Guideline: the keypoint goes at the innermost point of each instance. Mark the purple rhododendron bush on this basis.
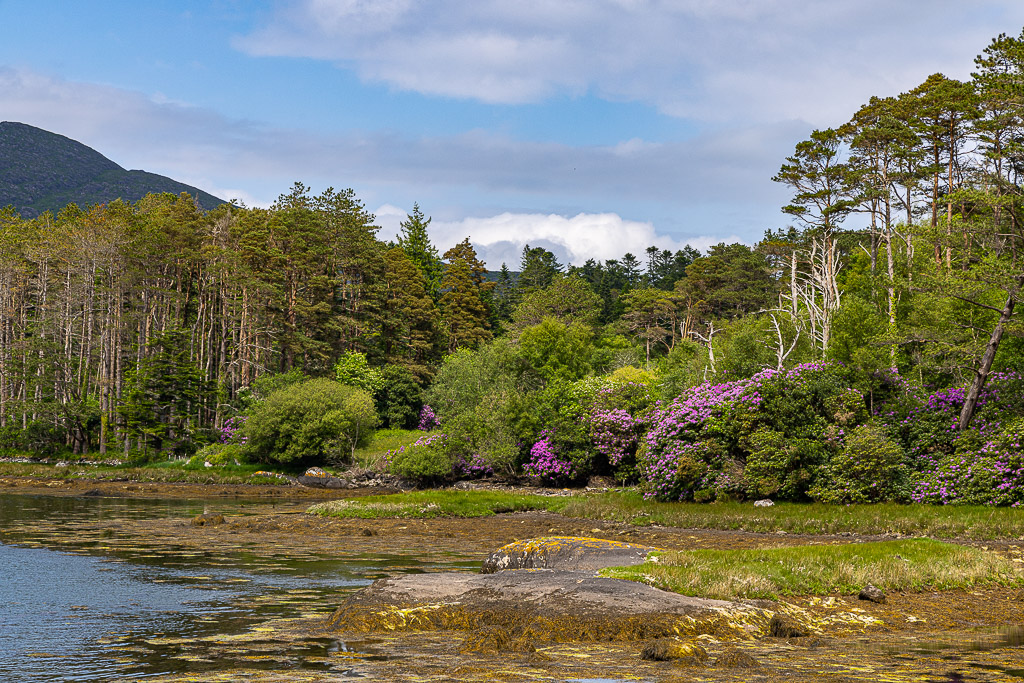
(801, 434)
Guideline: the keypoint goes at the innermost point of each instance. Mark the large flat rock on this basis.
(565, 552)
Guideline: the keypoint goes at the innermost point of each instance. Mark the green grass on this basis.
(976, 522)
(382, 441)
(979, 523)
(426, 504)
(910, 565)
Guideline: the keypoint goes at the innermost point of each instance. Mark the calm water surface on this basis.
(82, 606)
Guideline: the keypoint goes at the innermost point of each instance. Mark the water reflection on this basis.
(80, 602)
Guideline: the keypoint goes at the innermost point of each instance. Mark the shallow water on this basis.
(126, 589)
(78, 602)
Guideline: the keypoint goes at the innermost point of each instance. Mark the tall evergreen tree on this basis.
(414, 240)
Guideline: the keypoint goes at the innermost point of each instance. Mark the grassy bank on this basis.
(910, 565)
(427, 504)
(980, 523)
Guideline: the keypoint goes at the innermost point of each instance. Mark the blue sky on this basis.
(592, 127)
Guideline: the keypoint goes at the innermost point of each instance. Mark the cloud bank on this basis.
(713, 60)
(573, 239)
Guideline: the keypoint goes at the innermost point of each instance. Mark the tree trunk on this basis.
(981, 374)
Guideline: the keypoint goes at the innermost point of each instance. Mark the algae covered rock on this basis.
(208, 519)
(495, 640)
(784, 626)
(872, 593)
(565, 552)
(542, 604)
(733, 658)
(670, 649)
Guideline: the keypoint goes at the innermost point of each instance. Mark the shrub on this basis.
(547, 467)
(353, 370)
(486, 434)
(426, 460)
(317, 421)
(993, 475)
(217, 454)
(870, 468)
(776, 424)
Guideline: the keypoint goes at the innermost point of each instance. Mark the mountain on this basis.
(42, 171)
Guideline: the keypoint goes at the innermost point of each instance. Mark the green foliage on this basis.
(869, 468)
(353, 370)
(426, 461)
(414, 240)
(567, 299)
(316, 421)
(557, 351)
(399, 398)
(218, 454)
(163, 395)
(265, 385)
(465, 316)
(538, 268)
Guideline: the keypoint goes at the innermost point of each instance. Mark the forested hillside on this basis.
(870, 351)
(41, 171)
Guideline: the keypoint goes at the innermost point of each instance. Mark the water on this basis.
(79, 603)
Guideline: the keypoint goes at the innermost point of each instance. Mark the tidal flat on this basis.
(121, 585)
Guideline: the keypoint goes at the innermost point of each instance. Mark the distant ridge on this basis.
(41, 171)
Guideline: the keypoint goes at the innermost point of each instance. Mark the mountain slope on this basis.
(42, 171)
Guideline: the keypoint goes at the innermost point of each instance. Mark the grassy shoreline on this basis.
(950, 522)
(909, 565)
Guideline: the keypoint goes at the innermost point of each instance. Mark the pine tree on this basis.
(415, 242)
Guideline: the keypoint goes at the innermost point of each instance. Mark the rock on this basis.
(495, 640)
(543, 604)
(315, 472)
(872, 593)
(208, 519)
(669, 649)
(783, 626)
(763, 503)
(565, 552)
(736, 659)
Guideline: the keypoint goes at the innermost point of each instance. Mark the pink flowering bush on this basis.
(978, 466)
(617, 420)
(546, 466)
(231, 431)
(428, 420)
(770, 434)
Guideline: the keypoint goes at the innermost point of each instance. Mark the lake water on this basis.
(86, 606)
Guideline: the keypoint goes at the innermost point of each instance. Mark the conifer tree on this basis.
(415, 242)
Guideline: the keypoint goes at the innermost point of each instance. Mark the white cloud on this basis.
(714, 60)
(572, 239)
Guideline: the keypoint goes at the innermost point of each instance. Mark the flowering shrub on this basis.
(229, 433)
(978, 466)
(428, 420)
(781, 426)
(545, 465)
(617, 421)
(472, 467)
(425, 460)
(994, 475)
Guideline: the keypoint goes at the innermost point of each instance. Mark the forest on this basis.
(867, 352)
